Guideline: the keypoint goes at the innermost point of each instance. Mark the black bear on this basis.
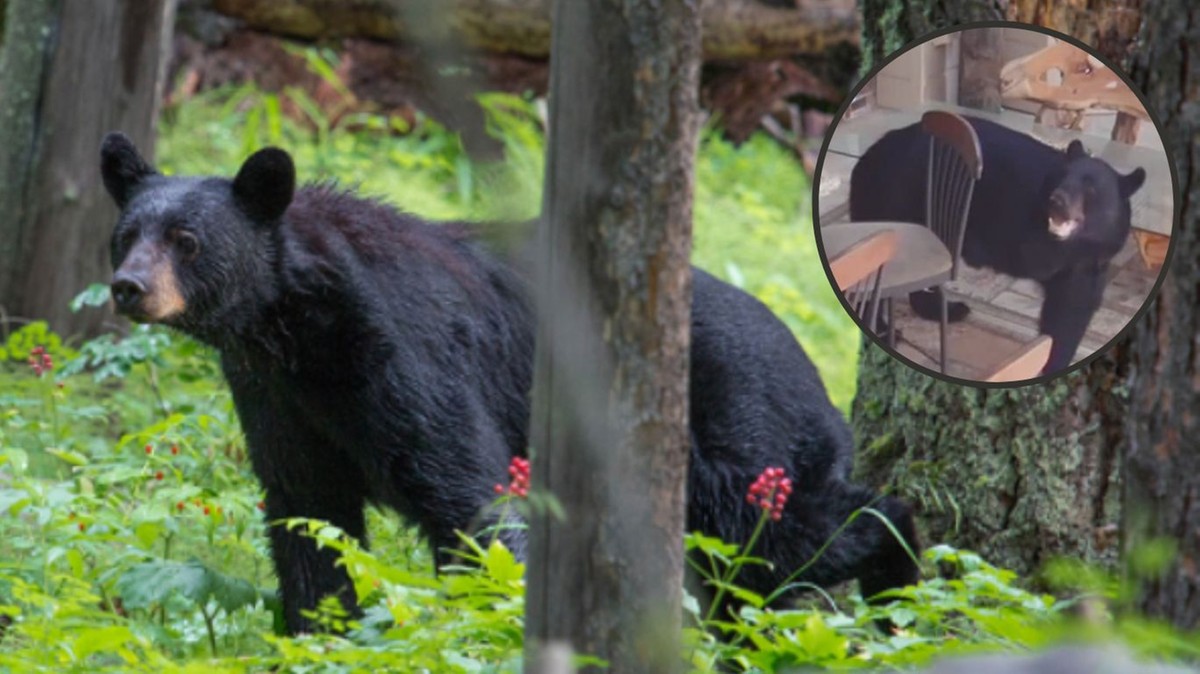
(376, 357)
(1057, 217)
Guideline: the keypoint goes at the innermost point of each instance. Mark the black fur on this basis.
(375, 357)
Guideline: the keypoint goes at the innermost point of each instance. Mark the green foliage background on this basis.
(130, 526)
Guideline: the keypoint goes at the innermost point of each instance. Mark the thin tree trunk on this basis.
(1162, 462)
(609, 431)
(103, 71)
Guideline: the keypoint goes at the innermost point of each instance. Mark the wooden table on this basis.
(921, 259)
(833, 188)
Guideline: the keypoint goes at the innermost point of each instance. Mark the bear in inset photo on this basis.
(1055, 216)
(375, 357)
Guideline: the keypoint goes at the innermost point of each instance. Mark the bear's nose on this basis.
(127, 292)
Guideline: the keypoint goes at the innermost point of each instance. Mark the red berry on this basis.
(262, 506)
(179, 506)
(207, 510)
(82, 526)
(174, 449)
(149, 449)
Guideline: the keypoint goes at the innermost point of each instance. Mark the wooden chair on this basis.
(955, 165)
(857, 272)
(1027, 363)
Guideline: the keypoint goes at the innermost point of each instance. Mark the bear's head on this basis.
(189, 251)
(1090, 202)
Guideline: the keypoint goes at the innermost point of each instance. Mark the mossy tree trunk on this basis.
(1162, 425)
(609, 431)
(1109, 453)
(72, 70)
(1019, 475)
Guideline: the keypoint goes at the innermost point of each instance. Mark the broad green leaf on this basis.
(101, 640)
(152, 582)
(501, 565)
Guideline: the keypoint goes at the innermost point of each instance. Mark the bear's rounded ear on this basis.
(1132, 182)
(121, 167)
(265, 184)
(1075, 150)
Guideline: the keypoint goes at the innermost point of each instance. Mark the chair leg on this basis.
(942, 326)
(891, 327)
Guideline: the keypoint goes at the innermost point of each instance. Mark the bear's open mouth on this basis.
(1063, 228)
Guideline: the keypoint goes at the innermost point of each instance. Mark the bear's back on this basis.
(756, 398)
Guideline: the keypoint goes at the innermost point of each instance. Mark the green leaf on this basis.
(147, 533)
(501, 565)
(101, 640)
(820, 641)
(73, 458)
(152, 583)
(710, 545)
(95, 295)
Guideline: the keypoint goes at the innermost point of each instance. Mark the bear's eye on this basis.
(128, 238)
(187, 243)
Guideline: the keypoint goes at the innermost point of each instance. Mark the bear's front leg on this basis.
(1072, 298)
(308, 573)
(304, 477)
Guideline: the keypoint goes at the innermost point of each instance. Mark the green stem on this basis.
(154, 386)
(212, 630)
(736, 566)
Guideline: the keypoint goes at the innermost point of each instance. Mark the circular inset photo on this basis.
(995, 204)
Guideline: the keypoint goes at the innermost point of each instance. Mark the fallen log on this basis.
(733, 29)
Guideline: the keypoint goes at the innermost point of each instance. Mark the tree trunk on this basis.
(22, 61)
(888, 25)
(979, 70)
(609, 434)
(1020, 475)
(102, 72)
(733, 29)
(1162, 457)
(1032, 472)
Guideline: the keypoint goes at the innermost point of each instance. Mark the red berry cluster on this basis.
(40, 361)
(207, 508)
(770, 491)
(518, 470)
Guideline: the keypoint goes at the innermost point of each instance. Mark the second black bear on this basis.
(1057, 217)
(378, 358)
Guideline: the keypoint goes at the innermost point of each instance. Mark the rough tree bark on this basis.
(1020, 475)
(1108, 453)
(22, 63)
(1162, 455)
(609, 435)
(733, 29)
(75, 69)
